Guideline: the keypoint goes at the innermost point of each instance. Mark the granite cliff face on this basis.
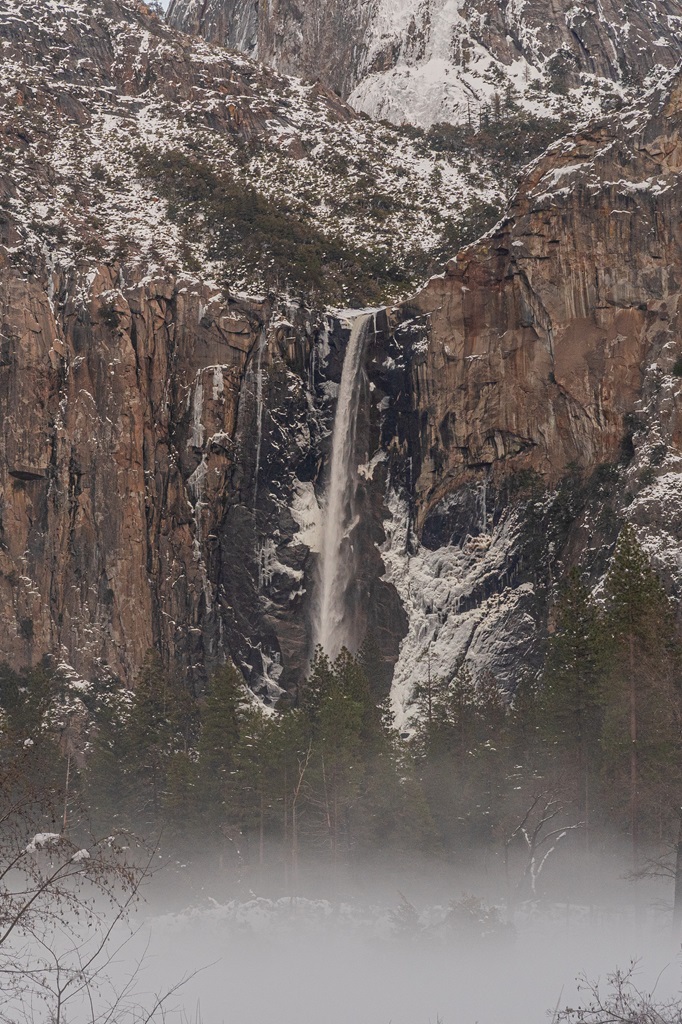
(542, 382)
(121, 418)
(425, 61)
(168, 381)
(161, 453)
(324, 40)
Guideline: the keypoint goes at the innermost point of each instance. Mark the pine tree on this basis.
(345, 733)
(319, 681)
(109, 782)
(338, 766)
(396, 811)
(290, 750)
(180, 807)
(642, 714)
(571, 698)
(221, 714)
(255, 783)
(462, 740)
(159, 726)
(30, 758)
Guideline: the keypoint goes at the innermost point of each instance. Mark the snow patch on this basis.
(307, 513)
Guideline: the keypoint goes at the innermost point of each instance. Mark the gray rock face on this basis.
(424, 61)
(234, 23)
(322, 39)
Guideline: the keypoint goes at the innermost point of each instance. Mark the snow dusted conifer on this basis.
(641, 667)
(571, 698)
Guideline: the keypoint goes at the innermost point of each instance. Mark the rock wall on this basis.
(544, 329)
(165, 446)
(121, 410)
(163, 458)
(165, 441)
(425, 61)
(540, 400)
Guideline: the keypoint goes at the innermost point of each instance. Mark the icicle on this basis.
(484, 503)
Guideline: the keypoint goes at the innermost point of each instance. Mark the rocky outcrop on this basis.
(324, 40)
(425, 61)
(542, 366)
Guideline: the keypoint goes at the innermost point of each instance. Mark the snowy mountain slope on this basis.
(111, 119)
(429, 61)
(450, 59)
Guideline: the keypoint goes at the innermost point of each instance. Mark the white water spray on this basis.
(336, 564)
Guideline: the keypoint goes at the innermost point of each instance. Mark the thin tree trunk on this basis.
(327, 813)
(587, 811)
(286, 826)
(634, 823)
(261, 830)
(584, 784)
(335, 825)
(294, 844)
(302, 768)
(66, 794)
(634, 795)
(677, 903)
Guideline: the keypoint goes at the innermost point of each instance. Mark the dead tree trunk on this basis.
(677, 900)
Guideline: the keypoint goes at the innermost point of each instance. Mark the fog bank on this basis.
(269, 959)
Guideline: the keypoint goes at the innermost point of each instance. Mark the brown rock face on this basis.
(110, 459)
(538, 336)
(544, 354)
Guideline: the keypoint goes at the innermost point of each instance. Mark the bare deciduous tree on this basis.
(64, 901)
(622, 1003)
(538, 838)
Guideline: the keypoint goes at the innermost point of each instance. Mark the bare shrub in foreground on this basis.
(622, 1003)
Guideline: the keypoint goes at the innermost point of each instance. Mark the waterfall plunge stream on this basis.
(337, 564)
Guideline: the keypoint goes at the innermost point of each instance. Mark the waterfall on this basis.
(336, 564)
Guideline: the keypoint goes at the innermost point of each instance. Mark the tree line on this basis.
(587, 752)
(591, 746)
